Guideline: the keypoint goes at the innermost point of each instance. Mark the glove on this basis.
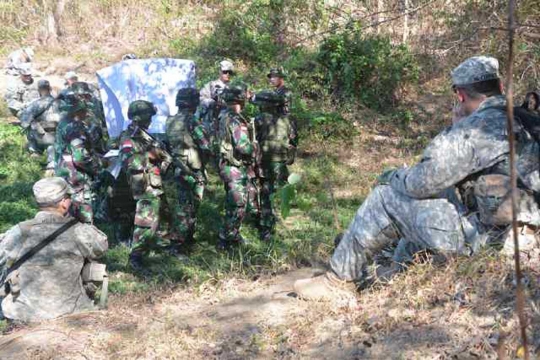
(386, 176)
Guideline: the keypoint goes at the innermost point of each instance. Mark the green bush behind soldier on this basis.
(278, 139)
(143, 164)
(75, 156)
(238, 167)
(189, 145)
(50, 283)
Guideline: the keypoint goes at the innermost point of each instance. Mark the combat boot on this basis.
(326, 287)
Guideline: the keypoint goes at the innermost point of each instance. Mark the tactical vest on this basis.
(181, 143)
(273, 135)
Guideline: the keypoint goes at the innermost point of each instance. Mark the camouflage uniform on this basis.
(441, 203)
(18, 59)
(143, 169)
(187, 140)
(277, 136)
(41, 118)
(49, 284)
(76, 162)
(19, 94)
(239, 159)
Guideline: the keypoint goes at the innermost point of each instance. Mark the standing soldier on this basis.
(21, 91)
(210, 105)
(40, 118)
(277, 136)
(189, 145)
(143, 161)
(76, 162)
(238, 164)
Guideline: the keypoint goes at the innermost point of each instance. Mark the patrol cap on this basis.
(276, 72)
(71, 75)
(476, 69)
(50, 190)
(25, 69)
(226, 65)
(43, 84)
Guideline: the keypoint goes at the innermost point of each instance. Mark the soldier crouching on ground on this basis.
(49, 284)
(21, 90)
(143, 163)
(40, 118)
(189, 145)
(448, 201)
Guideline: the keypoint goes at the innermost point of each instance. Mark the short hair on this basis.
(487, 88)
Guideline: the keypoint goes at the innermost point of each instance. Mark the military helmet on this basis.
(140, 112)
(43, 84)
(234, 94)
(187, 97)
(71, 103)
(81, 88)
(276, 72)
(266, 99)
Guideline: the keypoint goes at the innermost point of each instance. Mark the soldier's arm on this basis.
(200, 135)
(206, 95)
(10, 245)
(84, 159)
(12, 98)
(240, 139)
(91, 242)
(452, 156)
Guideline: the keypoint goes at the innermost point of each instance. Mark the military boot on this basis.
(326, 287)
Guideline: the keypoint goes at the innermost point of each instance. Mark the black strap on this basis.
(43, 111)
(41, 245)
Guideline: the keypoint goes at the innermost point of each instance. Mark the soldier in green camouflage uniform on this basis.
(238, 166)
(278, 139)
(142, 162)
(189, 145)
(76, 162)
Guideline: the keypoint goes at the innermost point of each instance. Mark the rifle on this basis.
(156, 146)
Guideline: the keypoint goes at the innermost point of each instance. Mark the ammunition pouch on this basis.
(92, 275)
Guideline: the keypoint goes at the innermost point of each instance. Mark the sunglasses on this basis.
(229, 72)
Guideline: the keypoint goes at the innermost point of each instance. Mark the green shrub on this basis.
(367, 68)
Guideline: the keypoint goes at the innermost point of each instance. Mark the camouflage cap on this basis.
(25, 69)
(226, 65)
(81, 88)
(476, 69)
(276, 72)
(43, 84)
(70, 75)
(140, 110)
(50, 190)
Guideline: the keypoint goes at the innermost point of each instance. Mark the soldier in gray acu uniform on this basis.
(21, 90)
(452, 200)
(49, 284)
(41, 118)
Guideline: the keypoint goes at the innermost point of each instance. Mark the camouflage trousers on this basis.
(386, 216)
(190, 195)
(275, 175)
(82, 206)
(146, 221)
(241, 198)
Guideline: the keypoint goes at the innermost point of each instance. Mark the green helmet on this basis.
(234, 94)
(187, 98)
(81, 88)
(71, 103)
(277, 72)
(140, 112)
(267, 99)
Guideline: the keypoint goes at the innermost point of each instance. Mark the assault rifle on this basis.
(156, 146)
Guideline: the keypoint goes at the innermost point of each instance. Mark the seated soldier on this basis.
(452, 200)
(21, 90)
(49, 284)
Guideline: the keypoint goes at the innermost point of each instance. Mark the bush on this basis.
(367, 68)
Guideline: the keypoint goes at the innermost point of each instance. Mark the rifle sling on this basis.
(41, 245)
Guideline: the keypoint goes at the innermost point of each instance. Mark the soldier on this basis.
(277, 137)
(189, 145)
(143, 161)
(21, 91)
(210, 105)
(18, 59)
(452, 198)
(40, 118)
(76, 161)
(49, 284)
(238, 166)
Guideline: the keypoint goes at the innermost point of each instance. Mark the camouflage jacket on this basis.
(286, 95)
(50, 282)
(137, 157)
(238, 145)
(41, 114)
(187, 138)
(210, 91)
(468, 150)
(76, 162)
(19, 95)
